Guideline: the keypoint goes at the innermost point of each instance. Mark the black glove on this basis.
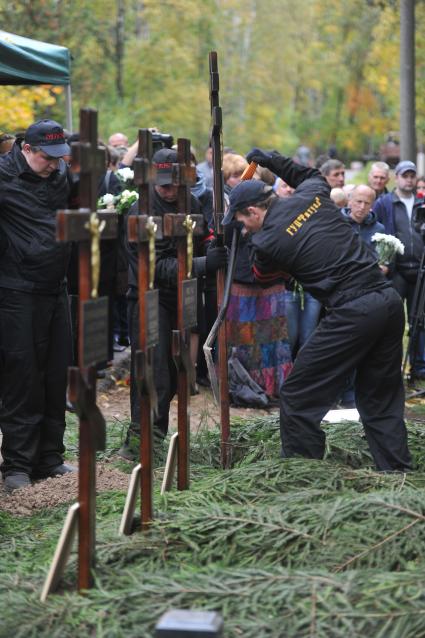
(263, 158)
(216, 258)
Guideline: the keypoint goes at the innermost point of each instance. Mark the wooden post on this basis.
(87, 228)
(216, 139)
(143, 229)
(183, 226)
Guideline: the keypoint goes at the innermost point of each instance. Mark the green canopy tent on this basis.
(26, 61)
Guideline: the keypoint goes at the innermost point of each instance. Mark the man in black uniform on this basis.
(34, 314)
(165, 373)
(306, 236)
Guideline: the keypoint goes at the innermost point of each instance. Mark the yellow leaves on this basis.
(19, 104)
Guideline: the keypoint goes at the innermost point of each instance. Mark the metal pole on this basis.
(407, 81)
(68, 108)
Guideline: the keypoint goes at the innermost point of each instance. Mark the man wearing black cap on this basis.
(34, 325)
(306, 236)
(165, 201)
(397, 212)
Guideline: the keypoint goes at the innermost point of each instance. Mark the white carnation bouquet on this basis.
(126, 176)
(387, 247)
(121, 203)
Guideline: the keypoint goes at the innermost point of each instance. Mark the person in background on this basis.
(256, 316)
(6, 142)
(363, 223)
(397, 212)
(420, 187)
(118, 139)
(165, 372)
(378, 178)
(339, 196)
(206, 168)
(334, 172)
(282, 189)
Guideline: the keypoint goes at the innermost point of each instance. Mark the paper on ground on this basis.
(335, 416)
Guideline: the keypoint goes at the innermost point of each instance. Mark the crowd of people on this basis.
(315, 317)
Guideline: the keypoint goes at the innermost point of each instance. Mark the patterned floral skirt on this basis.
(257, 331)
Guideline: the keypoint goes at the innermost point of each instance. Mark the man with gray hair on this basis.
(334, 172)
(378, 177)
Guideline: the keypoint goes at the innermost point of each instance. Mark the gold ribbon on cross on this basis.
(95, 227)
(151, 229)
(189, 225)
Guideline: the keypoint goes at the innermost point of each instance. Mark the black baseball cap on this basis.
(164, 159)
(246, 193)
(49, 136)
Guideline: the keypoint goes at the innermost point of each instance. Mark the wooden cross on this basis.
(216, 144)
(87, 228)
(143, 229)
(183, 227)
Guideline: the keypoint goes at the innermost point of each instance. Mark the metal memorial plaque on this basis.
(189, 296)
(95, 331)
(152, 317)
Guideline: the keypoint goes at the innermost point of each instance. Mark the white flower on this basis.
(387, 246)
(126, 174)
(126, 195)
(108, 199)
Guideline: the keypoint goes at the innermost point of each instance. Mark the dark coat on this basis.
(166, 256)
(391, 212)
(31, 259)
(367, 228)
(306, 236)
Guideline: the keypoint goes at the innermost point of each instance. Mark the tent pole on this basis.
(68, 107)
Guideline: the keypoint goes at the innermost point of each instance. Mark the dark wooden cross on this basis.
(183, 226)
(216, 144)
(87, 228)
(143, 229)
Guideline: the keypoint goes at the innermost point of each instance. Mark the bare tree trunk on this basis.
(119, 47)
(407, 81)
(141, 29)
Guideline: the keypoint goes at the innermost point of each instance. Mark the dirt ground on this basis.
(113, 399)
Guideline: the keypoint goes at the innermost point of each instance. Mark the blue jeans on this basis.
(302, 315)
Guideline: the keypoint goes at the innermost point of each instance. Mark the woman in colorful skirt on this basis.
(257, 332)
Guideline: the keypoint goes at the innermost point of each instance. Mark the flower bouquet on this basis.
(126, 176)
(121, 203)
(387, 246)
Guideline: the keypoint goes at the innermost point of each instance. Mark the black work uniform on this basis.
(34, 317)
(165, 372)
(306, 236)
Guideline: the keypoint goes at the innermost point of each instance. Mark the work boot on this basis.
(59, 470)
(16, 481)
(127, 453)
(62, 469)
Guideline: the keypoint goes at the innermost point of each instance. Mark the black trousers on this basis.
(364, 334)
(165, 371)
(35, 350)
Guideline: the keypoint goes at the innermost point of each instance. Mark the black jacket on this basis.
(31, 259)
(306, 236)
(166, 256)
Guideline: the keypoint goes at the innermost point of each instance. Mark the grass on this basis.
(280, 548)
